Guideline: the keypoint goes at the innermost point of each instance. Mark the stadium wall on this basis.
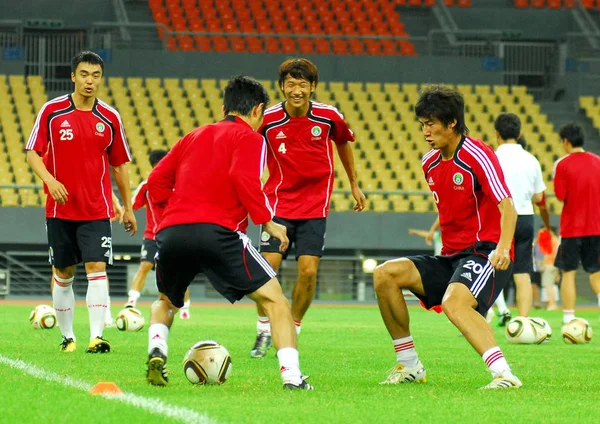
(73, 13)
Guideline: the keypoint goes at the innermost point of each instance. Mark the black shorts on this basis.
(73, 242)
(233, 266)
(470, 267)
(524, 245)
(573, 250)
(536, 278)
(148, 252)
(307, 236)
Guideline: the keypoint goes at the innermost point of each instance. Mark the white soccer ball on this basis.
(43, 317)
(520, 330)
(207, 362)
(130, 319)
(542, 327)
(577, 331)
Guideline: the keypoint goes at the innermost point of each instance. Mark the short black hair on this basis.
(242, 94)
(573, 133)
(155, 156)
(86, 57)
(299, 68)
(508, 126)
(444, 104)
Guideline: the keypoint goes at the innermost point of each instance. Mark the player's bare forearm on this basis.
(121, 176)
(37, 164)
(347, 158)
(435, 225)
(545, 215)
(508, 222)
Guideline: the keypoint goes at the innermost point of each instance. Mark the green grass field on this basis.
(345, 350)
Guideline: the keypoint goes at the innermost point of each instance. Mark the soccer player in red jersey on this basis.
(577, 184)
(477, 222)
(299, 134)
(206, 205)
(84, 139)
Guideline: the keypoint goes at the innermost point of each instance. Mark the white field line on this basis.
(152, 405)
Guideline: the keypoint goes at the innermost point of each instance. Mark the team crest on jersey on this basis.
(458, 178)
(100, 127)
(316, 131)
(265, 236)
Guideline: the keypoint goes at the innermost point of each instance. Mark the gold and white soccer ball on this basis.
(207, 362)
(43, 317)
(577, 331)
(521, 330)
(130, 319)
(542, 327)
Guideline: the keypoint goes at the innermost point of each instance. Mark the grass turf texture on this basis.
(347, 351)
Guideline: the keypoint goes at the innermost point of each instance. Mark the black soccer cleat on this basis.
(157, 373)
(302, 386)
(503, 319)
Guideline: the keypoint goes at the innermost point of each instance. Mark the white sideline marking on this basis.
(155, 406)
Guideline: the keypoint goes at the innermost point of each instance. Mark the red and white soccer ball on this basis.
(130, 319)
(577, 331)
(43, 317)
(207, 362)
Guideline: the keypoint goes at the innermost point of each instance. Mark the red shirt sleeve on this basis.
(341, 132)
(560, 185)
(489, 173)
(247, 163)
(139, 196)
(39, 138)
(161, 181)
(118, 152)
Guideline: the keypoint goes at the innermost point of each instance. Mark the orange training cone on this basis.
(106, 388)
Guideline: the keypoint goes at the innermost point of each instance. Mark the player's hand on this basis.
(279, 232)
(360, 198)
(429, 238)
(130, 222)
(119, 212)
(58, 191)
(500, 259)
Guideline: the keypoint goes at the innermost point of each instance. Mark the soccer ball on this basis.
(542, 327)
(43, 317)
(522, 330)
(577, 331)
(207, 362)
(130, 319)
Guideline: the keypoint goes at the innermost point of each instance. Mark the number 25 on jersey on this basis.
(282, 148)
(66, 134)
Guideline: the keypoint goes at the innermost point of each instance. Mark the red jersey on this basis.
(212, 175)
(78, 147)
(467, 190)
(300, 159)
(141, 199)
(577, 184)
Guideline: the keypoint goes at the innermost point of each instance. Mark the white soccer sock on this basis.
(97, 302)
(108, 316)
(501, 304)
(568, 315)
(263, 325)
(186, 305)
(406, 353)
(289, 365)
(494, 359)
(134, 295)
(64, 305)
(298, 325)
(157, 337)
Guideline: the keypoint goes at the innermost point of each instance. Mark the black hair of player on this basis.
(573, 133)
(508, 126)
(443, 104)
(522, 142)
(242, 94)
(86, 57)
(299, 68)
(155, 156)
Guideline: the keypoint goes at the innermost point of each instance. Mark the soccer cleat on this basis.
(157, 374)
(130, 303)
(261, 346)
(500, 382)
(302, 386)
(184, 314)
(503, 319)
(98, 345)
(68, 345)
(402, 374)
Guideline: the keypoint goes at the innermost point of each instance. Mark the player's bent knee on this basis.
(67, 272)
(308, 272)
(390, 274)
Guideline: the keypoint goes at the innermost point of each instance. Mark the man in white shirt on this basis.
(523, 175)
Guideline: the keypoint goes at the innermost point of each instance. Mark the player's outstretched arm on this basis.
(508, 221)
(56, 189)
(347, 158)
(540, 201)
(121, 176)
(427, 235)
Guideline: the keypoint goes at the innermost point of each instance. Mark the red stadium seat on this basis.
(449, 2)
(554, 4)
(237, 44)
(414, 2)
(246, 26)
(202, 43)
(288, 45)
(306, 45)
(430, 2)
(464, 3)
(220, 44)
(539, 4)
(356, 46)
(322, 46)
(264, 27)
(340, 46)
(522, 3)
(373, 46)
(254, 44)
(185, 43)
(272, 45)
(407, 48)
(588, 4)
(569, 3)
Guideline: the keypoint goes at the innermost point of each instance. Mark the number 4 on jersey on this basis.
(282, 148)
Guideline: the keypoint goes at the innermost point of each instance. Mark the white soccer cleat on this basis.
(500, 382)
(130, 303)
(402, 374)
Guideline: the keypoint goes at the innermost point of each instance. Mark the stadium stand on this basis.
(157, 112)
(555, 4)
(591, 106)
